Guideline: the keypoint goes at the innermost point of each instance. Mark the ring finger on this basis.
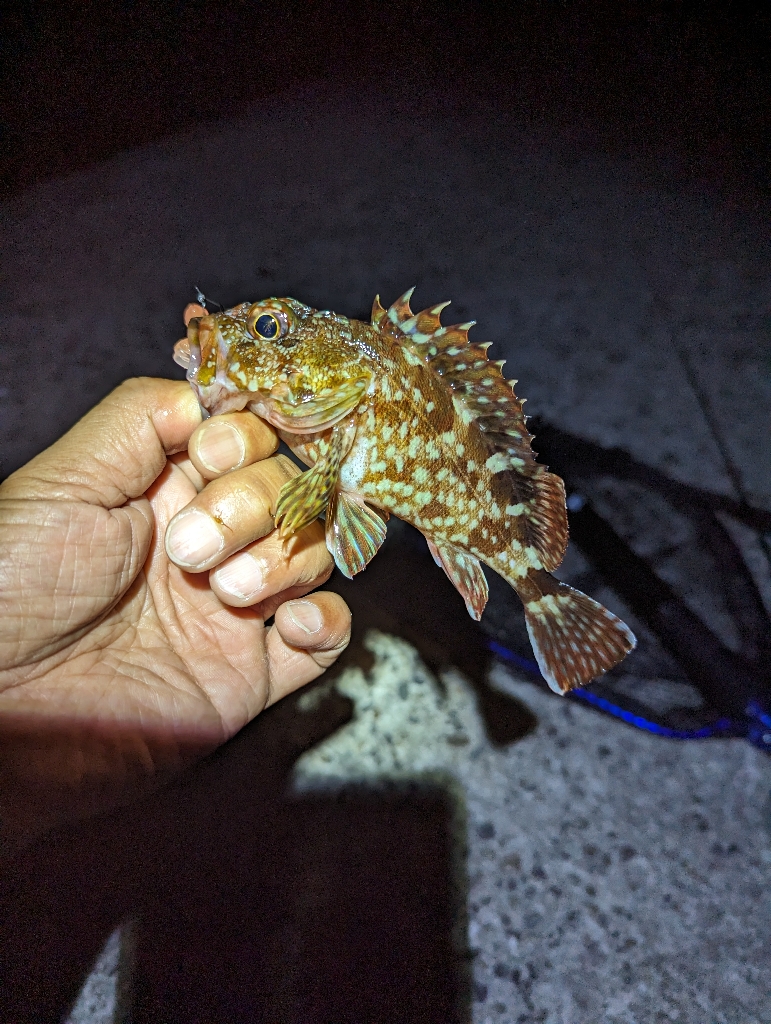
(271, 566)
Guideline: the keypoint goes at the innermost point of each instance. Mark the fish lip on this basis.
(217, 398)
(194, 346)
(220, 395)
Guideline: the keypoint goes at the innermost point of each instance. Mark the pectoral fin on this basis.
(306, 496)
(465, 574)
(318, 412)
(354, 534)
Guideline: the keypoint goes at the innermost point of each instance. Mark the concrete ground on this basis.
(376, 850)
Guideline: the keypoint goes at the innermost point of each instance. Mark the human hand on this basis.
(117, 667)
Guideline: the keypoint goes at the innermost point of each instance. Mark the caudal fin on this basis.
(574, 638)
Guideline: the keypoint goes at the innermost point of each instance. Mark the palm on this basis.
(168, 654)
(188, 661)
(116, 666)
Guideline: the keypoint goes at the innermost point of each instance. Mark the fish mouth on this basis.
(187, 351)
(194, 347)
(207, 362)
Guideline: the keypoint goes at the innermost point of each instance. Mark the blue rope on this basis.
(756, 727)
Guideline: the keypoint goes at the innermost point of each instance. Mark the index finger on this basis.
(230, 441)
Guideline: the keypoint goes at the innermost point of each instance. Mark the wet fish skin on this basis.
(405, 416)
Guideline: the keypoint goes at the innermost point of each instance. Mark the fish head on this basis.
(285, 361)
(234, 357)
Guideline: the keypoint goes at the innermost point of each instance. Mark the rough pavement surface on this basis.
(611, 876)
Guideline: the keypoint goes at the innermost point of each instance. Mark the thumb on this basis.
(117, 450)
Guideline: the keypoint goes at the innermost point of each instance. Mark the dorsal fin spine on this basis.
(377, 312)
(477, 381)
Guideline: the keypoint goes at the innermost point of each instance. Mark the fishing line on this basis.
(754, 727)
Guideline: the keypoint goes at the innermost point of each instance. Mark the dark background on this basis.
(232, 906)
(681, 84)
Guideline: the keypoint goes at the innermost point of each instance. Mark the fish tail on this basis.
(574, 638)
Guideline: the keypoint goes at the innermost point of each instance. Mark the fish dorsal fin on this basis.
(478, 382)
(377, 312)
(489, 399)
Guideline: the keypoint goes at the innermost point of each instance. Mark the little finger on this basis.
(307, 636)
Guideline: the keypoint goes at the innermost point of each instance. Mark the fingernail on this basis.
(305, 614)
(221, 447)
(242, 576)
(193, 538)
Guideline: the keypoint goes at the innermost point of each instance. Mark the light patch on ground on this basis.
(405, 724)
(621, 802)
(102, 996)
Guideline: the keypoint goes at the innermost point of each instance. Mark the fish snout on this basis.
(194, 346)
(187, 351)
(202, 350)
(204, 356)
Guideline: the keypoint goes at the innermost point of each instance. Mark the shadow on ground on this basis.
(248, 904)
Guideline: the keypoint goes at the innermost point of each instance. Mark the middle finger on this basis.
(228, 514)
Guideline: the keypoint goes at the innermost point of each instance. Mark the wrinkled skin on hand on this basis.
(117, 666)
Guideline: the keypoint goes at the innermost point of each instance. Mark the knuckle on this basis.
(246, 495)
(320, 574)
(287, 467)
(264, 486)
(259, 434)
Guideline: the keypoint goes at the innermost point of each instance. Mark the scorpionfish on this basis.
(405, 416)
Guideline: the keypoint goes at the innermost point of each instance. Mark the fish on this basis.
(405, 416)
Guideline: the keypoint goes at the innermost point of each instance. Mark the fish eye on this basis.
(265, 326)
(270, 321)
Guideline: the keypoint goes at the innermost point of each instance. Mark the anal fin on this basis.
(354, 533)
(465, 573)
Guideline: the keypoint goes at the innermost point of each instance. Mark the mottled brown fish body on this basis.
(415, 457)
(406, 416)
